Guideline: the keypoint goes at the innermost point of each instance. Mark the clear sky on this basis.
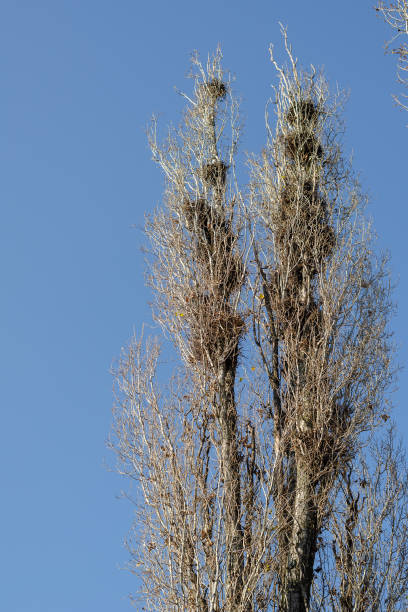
(79, 81)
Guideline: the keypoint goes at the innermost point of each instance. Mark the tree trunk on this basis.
(302, 548)
(232, 487)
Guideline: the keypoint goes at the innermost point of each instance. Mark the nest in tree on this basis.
(205, 221)
(215, 331)
(305, 247)
(286, 297)
(196, 213)
(214, 242)
(304, 201)
(302, 323)
(309, 189)
(302, 233)
(327, 241)
(301, 112)
(227, 274)
(215, 88)
(302, 146)
(304, 198)
(215, 173)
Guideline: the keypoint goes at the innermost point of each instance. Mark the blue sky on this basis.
(79, 81)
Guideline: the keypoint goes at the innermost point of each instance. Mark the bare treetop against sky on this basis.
(79, 83)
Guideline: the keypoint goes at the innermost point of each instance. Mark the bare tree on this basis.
(321, 329)
(396, 15)
(368, 525)
(246, 461)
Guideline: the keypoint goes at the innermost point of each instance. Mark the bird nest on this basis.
(215, 173)
(215, 331)
(214, 242)
(302, 112)
(301, 146)
(215, 88)
(197, 213)
(302, 232)
(302, 321)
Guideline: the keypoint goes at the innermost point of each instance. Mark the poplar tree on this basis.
(261, 481)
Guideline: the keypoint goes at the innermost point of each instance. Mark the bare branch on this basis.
(395, 14)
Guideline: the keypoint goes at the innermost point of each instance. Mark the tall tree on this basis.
(396, 15)
(250, 462)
